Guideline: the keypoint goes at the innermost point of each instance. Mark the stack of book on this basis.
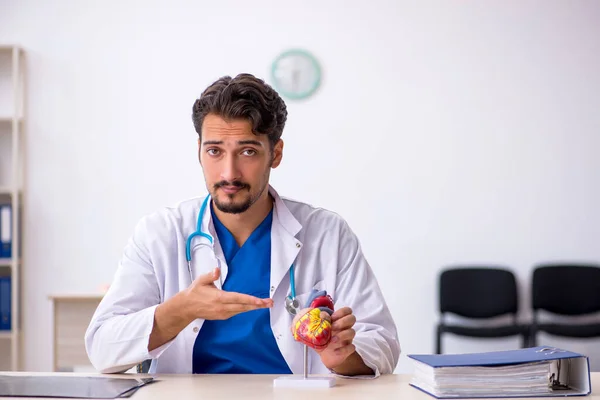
(533, 372)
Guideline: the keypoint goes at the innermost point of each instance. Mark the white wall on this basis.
(445, 132)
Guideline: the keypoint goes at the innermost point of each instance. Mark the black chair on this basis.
(565, 290)
(479, 293)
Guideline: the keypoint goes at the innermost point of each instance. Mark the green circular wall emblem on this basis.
(296, 74)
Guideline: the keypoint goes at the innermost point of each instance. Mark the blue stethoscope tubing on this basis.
(198, 232)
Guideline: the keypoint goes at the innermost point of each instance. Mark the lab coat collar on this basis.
(283, 214)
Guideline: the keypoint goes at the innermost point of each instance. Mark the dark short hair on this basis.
(243, 97)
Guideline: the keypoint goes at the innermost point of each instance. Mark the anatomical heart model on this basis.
(308, 327)
(313, 331)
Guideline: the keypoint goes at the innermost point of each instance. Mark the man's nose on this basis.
(230, 171)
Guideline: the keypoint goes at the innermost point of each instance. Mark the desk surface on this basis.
(181, 387)
(76, 297)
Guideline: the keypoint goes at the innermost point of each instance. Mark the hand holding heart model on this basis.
(312, 325)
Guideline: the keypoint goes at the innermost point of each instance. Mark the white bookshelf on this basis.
(12, 120)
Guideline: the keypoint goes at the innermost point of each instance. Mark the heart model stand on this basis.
(313, 331)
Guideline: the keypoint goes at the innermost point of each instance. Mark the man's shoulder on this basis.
(177, 213)
(307, 213)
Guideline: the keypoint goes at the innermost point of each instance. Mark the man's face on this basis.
(236, 163)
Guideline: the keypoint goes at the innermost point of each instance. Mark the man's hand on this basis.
(203, 300)
(207, 302)
(342, 334)
(340, 355)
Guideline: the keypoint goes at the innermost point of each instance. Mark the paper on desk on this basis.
(527, 379)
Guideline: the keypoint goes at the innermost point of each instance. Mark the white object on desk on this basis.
(305, 381)
(296, 381)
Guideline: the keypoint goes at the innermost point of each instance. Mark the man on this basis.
(225, 310)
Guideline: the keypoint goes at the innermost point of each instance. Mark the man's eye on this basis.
(249, 152)
(212, 152)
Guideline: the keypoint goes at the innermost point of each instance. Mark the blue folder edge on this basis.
(507, 357)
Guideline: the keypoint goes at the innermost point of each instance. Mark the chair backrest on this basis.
(478, 292)
(567, 289)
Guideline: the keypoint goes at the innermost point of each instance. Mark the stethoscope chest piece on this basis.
(292, 305)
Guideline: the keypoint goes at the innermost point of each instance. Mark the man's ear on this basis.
(277, 154)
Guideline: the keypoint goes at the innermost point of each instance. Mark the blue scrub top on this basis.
(244, 343)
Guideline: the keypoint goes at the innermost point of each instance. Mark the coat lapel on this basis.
(284, 244)
(208, 226)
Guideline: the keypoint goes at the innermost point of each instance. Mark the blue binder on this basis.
(571, 376)
(5, 303)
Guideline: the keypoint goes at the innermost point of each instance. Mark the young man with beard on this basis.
(202, 287)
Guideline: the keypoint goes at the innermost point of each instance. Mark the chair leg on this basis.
(532, 337)
(533, 330)
(526, 339)
(438, 341)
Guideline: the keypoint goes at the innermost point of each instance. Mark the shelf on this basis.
(6, 262)
(8, 120)
(5, 190)
(13, 122)
(6, 334)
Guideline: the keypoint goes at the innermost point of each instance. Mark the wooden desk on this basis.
(71, 316)
(261, 387)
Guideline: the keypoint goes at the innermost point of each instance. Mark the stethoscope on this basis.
(292, 305)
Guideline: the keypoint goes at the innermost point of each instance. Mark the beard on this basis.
(231, 206)
(249, 199)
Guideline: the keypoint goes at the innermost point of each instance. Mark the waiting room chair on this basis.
(565, 290)
(479, 293)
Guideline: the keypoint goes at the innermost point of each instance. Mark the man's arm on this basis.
(200, 300)
(131, 324)
(170, 318)
(377, 348)
(353, 365)
(118, 334)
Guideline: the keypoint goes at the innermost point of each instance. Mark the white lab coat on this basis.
(326, 255)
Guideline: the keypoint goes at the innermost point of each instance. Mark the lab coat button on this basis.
(195, 329)
(298, 245)
(272, 288)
